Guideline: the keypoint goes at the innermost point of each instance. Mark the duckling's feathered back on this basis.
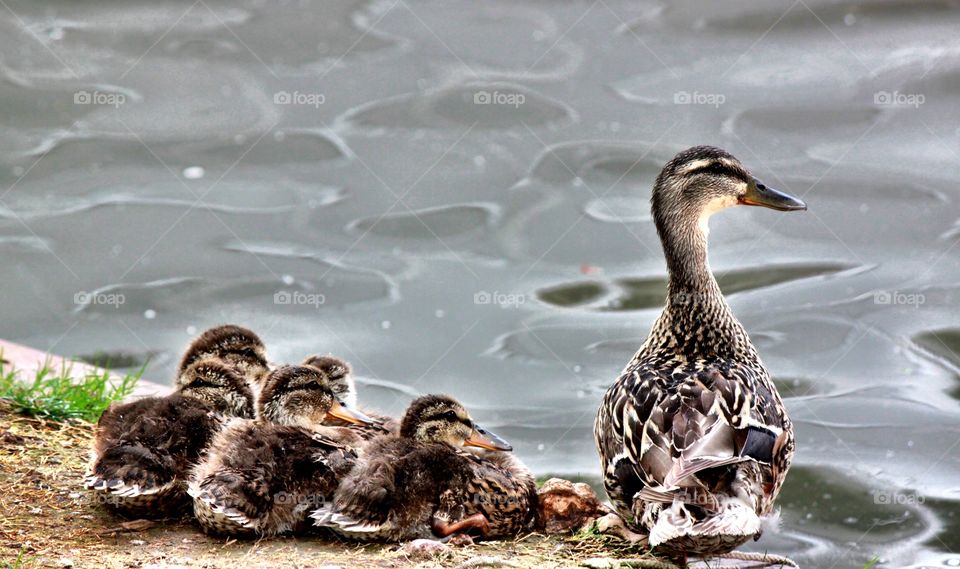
(261, 479)
(144, 449)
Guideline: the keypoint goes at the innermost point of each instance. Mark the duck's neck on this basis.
(697, 323)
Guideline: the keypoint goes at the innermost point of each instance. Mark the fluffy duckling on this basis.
(143, 450)
(340, 374)
(423, 483)
(262, 477)
(234, 345)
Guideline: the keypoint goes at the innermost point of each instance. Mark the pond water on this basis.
(454, 196)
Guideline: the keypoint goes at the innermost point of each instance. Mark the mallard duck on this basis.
(423, 483)
(693, 437)
(261, 477)
(340, 374)
(143, 450)
(234, 345)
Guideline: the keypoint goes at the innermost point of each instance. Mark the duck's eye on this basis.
(247, 353)
(451, 416)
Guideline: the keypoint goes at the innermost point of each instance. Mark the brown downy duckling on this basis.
(340, 374)
(262, 477)
(235, 346)
(143, 450)
(423, 483)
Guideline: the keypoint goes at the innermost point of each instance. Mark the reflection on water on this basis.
(453, 196)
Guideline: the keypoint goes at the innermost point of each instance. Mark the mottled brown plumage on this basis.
(422, 482)
(234, 345)
(261, 477)
(143, 450)
(694, 439)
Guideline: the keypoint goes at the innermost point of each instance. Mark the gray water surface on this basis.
(453, 195)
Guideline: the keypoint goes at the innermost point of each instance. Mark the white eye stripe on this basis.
(733, 167)
(696, 164)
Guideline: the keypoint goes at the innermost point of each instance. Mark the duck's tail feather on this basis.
(128, 474)
(222, 507)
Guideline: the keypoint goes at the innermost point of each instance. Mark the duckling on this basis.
(143, 450)
(421, 482)
(261, 477)
(236, 346)
(340, 374)
(694, 439)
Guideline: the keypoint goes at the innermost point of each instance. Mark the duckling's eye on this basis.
(451, 416)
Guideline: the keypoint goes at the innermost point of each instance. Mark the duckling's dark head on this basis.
(302, 396)
(218, 384)
(235, 345)
(440, 418)
(339, 373)
(702, 180)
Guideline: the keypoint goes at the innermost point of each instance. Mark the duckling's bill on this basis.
(485, 439)
(346, 412)
(761, 194)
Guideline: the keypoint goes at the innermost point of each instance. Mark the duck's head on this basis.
(702, 180)
(303, 396)
(234, 345)
(439, 418)
(218, 384)
(339, 373)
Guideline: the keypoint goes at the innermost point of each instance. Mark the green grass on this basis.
(17, 563)
(55, 395)
(872, 563)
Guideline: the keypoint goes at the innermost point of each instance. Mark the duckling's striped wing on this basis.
(361, 508)
(656, 430)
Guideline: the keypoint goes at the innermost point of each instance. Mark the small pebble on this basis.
(425, 549)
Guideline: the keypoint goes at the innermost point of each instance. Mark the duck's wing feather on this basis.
(660, 429)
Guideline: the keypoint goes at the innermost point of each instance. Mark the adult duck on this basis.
(694, 439)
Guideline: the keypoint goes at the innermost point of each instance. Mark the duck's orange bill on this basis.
(344, 412)
(483, 438)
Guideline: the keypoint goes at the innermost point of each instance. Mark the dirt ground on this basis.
(48, 520)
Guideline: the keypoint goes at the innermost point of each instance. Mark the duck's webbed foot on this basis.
(445, 529)
(613, 524)
(765, 559)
